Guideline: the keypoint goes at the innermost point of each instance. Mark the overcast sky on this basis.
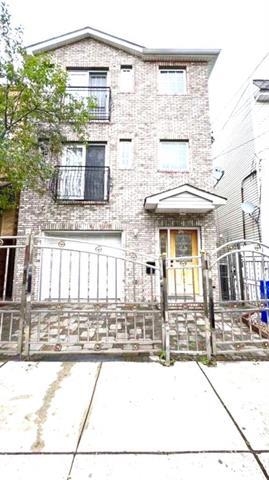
(238, 27)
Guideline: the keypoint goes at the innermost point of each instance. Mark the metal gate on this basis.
(239, 313)
(70, 296)
(185, 304)
(76, 296)
(13, 278)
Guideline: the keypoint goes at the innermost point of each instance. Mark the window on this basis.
(172, 80)
(173, 155)
(126, 78)
(125, 153)
(83, 174)
(91, 84)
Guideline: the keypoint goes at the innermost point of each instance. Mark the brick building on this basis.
(143, 181)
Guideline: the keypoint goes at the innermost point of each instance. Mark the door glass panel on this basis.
(183, 274)
(95, 173)
(74, 156)
(97, 81)
(183, 244)
(71, 176)
(79, 83)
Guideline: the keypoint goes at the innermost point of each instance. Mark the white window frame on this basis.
(122, 154)
(84, 80)
(81, 179)
(70, 146)
(165, 88)
(62, 187)
(163, 163)
(126, 81)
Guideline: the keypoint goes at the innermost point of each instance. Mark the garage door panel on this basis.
(77, 269)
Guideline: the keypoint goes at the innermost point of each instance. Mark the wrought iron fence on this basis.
(81, 183)
(185, 306)
(70, 270)
(91, 328)
(184, 279)
(14, 256)
(101, 97)
(87, 297)
(239, 313)
(76, 296)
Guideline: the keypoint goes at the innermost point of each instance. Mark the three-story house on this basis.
(143, 179)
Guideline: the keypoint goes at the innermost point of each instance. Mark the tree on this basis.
(36, 113)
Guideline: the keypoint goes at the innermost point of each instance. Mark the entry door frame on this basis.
(199, 234)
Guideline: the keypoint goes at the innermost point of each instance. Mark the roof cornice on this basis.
(146, 54)
(82, 33)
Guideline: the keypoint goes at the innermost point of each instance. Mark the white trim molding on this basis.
(184, 199)
(204, 55)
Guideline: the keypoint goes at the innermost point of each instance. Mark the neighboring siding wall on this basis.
(145, 116)
(238, 162)
(261, 130)
(250, 193)
(248, 124)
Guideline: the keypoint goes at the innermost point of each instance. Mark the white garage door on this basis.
(81, 266)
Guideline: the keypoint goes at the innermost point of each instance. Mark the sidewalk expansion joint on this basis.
(85, 418)
(136, 452)
(251, 450)
(167, 452)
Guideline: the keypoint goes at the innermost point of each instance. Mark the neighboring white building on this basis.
(241, 149)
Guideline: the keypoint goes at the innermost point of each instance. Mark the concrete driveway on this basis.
(126, 420)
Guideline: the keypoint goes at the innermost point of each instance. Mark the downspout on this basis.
(243, 213)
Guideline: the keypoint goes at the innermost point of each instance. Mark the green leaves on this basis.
(36, 113)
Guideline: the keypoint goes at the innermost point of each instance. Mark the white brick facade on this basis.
(145, 117)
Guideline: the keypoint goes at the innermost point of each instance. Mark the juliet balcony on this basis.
(101, 97)
(81, 183)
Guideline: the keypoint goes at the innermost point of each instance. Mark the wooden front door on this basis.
(181, 248)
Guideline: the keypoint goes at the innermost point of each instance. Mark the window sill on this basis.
(173, 171)
(96, 120)
(185, 94)
(80, 202)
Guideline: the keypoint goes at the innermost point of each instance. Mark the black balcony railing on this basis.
(74, 183)
(101, 97)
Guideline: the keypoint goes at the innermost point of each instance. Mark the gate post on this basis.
(26, 296)
(165, 317)
(205, 282)
(23, 296)
(211, 312)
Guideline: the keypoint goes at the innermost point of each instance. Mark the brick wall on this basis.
(146, 117)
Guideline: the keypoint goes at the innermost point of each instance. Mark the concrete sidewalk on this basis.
(125, 420)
